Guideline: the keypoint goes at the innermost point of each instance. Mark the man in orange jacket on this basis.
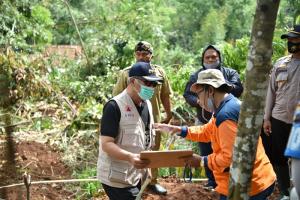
(212, 91)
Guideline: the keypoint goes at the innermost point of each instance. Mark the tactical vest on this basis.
(131, 137)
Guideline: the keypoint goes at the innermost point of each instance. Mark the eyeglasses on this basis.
(210, 57)
(148, 83)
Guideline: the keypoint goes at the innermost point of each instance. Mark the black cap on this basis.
(145, 71)
(294, 33)
(144, 46)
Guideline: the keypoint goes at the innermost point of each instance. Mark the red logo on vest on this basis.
(128, 108)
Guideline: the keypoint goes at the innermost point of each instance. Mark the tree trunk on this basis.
(9, 167)
(251, 116)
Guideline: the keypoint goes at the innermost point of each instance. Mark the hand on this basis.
(193, 161)
(267, 127)
(167, 119)
(167, 128)
(136, 161)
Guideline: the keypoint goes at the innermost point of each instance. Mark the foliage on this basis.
(235, 56)
(177, 29)
(239, 19)
(212, 29)
(70, 78)
(289, 12)
(24, 23)
(22, 76)
(90, 189)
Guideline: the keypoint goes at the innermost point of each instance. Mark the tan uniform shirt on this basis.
(161, 91)
(284, 90)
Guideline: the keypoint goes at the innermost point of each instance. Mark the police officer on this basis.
(282, 97)
(144, 52)
(211, 59)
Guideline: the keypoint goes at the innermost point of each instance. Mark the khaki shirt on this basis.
(161, 91)
(284, 90)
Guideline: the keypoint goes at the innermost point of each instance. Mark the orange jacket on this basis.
(222, 139)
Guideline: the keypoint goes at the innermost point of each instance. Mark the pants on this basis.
(260, 196)
(205, 150)
(129, 193)
(154, 171)
(275, 145)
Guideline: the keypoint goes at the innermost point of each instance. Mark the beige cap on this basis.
(213, 77)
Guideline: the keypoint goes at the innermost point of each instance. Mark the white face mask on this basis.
(212, 66)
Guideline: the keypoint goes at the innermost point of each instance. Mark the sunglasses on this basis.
(148, 83)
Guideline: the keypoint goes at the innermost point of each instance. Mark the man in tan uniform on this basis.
(143, 53)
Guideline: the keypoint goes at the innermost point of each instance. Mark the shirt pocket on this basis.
(118, 172)
(132, 137)
(281, 80)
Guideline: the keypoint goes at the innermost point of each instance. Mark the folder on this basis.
(170, 158)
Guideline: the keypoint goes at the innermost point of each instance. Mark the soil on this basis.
(44, 163)
(178, 190)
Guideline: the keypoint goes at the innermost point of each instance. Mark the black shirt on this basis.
(111, 116)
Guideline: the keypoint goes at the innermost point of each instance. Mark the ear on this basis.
(211, 90)
(130, 80)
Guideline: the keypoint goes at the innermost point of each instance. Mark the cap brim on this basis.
(195, 86)
(290, 35)
(159, 80)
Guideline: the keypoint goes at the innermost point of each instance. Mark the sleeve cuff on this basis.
(184, 131)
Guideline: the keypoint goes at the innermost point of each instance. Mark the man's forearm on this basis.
(116, 152)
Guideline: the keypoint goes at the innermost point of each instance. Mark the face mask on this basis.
(293, 47)
(211, 105)
(146, 93)
(212, 66)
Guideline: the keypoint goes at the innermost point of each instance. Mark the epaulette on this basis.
(286, 60)
(283, 63)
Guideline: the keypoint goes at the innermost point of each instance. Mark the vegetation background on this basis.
(65, 97)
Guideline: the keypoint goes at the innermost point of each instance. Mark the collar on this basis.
(222, 104)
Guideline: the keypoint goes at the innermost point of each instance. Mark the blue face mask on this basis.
(146, 93)
(212, 66)
(211, 105)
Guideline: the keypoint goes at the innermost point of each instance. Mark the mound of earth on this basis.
(39, 161)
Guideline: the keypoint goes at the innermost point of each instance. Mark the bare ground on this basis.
(43, 163)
